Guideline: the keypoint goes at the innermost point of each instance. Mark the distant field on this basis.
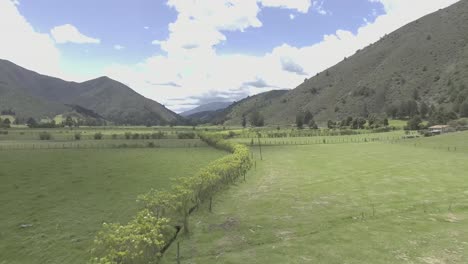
(361, 138)
(341, 203)
(67, 194)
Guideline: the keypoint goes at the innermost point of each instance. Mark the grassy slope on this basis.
(314, 204)
(429, 55)
(67, 194)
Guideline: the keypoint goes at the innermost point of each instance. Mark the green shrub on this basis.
(128, 135)
(158, 135)
(98, 136)
(186, 135)
(45, 136)
(78, 136)
(136, 136)
(143, 239)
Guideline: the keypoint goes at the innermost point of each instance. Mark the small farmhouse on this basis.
(439, 129)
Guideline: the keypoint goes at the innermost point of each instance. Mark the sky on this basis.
(183, 53)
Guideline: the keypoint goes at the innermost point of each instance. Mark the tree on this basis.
(300, 121)
(69, 122)
(31, 122)
(365, 111)
(312, 124)
(331, 124)
(412, 108)
(385, 122)
(6, 123)
(464, 109)
(392, 111)
(414, 123)
(415, 94)
(423, 109)
(256, 119)
(244, 121)
(358, 123)
(308, 116)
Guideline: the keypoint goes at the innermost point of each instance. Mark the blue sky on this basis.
(123, 23)
(188, 52)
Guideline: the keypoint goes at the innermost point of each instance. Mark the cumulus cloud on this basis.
(119, 47)
(300, 5)
(21, 44)
(70, 34)
(257, 83)
(192, 62)
(290, 66)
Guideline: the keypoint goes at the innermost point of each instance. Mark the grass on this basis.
(67, 194)
(361, 138)
(6, 145)
(341, 203)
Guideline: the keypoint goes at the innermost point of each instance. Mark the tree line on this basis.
(144, 238)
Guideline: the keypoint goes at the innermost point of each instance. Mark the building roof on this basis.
(439, 127)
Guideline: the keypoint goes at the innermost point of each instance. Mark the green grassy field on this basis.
(63, 196)
(341, 203)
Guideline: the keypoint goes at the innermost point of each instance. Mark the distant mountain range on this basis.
(206, 108)
(425, 62)
(30, 94)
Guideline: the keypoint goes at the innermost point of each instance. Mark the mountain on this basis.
(425, 62)
(206, 108)
(234, 113)
(30, 94)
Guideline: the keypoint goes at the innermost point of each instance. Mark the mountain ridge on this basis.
(427, 57)
(31, 94)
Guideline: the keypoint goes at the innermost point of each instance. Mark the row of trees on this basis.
(144, 238)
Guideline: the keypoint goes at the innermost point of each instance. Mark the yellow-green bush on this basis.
(137, 242)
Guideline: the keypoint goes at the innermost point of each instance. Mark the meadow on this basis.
(323, 196)
(54, 201)
(403, 201)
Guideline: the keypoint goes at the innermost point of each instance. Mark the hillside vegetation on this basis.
(30, 94)
(424, 62)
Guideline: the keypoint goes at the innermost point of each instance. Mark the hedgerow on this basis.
(137, 242)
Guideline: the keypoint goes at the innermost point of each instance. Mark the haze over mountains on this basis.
(213, 106)
(30, 94)
(425, 61)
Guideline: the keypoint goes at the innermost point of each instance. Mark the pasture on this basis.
(53, 202)
(402, 201)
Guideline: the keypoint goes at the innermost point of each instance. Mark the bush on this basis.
(77, 136)
(114, 136)
(158, 135)
(186, 135)
(128, 135)
(98, 136)
(45, 136)
(151, 145)
(136, 136)
(144, 238)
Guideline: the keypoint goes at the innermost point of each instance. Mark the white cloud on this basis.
(69, 33)
(119, 47)
(21, 44)
(199, 71)
(300, 5)
(146, 27)
(318, 6)
(292, 16)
